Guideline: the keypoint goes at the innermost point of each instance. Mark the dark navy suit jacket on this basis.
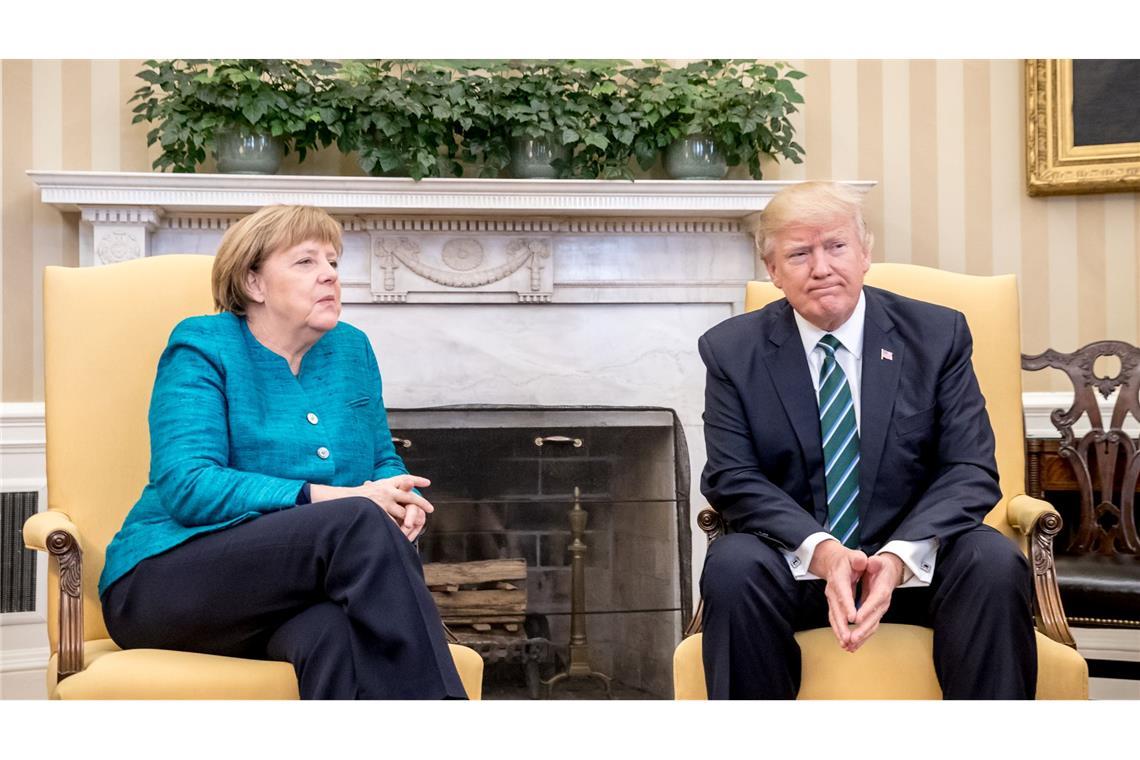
(926, 446)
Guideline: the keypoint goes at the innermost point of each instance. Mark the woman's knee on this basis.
(364, 534)
(358, 512)
(353, 506)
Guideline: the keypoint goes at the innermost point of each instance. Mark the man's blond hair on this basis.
(815, 204)
(247, 243)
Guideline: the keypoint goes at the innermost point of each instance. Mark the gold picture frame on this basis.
(1054, 164)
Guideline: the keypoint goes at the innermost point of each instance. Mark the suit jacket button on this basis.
(323, 453)
(312, 418)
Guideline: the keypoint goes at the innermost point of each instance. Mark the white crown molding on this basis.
(22, 427)
(130, 215)
(172, 193)
(1039, 405)
(576, 225)
(22, 423)
(198, 221)
(19, 411)
(471, 224)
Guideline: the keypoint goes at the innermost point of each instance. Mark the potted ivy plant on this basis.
(634, 118)
(249, 111)
(613, 119)
(712, 114)
(540, 117)
(483, 143)
(402, 117)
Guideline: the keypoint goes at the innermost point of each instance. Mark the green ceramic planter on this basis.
(531, 157)
(695, 157)
(246, 151)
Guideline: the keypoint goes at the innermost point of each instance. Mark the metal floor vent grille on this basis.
(17, 564)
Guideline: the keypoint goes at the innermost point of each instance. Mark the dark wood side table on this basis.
(1045, 470)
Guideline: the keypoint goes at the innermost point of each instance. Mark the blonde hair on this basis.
(813, 203)
(247, 243)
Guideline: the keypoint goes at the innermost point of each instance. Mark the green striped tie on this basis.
(840, 447)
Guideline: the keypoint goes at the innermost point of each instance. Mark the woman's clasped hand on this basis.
(393, 495)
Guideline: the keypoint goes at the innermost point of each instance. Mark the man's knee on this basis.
(992, 564)
(738, 562)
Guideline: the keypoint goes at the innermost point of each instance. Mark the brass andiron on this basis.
(579, 647)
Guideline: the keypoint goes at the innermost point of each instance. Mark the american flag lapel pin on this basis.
(886, 355)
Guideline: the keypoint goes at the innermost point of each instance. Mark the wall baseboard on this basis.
(23, 684)
(23, 673)
(1113, 688)
(1108, 643)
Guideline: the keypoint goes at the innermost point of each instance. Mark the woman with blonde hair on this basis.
(278, 519)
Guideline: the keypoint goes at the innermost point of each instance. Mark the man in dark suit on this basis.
(849, 446)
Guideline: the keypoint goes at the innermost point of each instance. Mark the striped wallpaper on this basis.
(942, 138)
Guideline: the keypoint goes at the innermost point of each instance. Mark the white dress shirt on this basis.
(917, 556)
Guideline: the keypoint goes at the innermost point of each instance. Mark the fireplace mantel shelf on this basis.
(452, 240)
(164, 194)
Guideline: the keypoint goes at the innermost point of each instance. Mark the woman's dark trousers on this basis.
(333, 588)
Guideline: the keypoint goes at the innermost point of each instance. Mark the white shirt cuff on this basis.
(918, 560)
(799, 560)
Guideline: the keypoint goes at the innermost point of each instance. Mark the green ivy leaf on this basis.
(596, 139)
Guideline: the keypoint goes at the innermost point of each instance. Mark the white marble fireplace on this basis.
(570, 292)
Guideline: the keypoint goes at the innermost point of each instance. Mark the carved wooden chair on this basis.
(896, 663)
(1098, 570)
(104, 329)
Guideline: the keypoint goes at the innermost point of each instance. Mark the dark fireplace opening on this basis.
(503, 486)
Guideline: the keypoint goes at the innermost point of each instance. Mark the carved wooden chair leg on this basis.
(451, 637)
(695, 625)
(69, 556)
(1051, 619)
(709, 521)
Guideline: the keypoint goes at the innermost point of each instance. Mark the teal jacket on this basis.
(234, 434)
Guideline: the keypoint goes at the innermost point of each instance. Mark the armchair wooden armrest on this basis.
(1023, 513)
(39, 527)
(711, 523)
(1038, 521)
(54, 533)
(713, 526)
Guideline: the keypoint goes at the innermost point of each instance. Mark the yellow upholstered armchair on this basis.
(896, 663)
(104, 329)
